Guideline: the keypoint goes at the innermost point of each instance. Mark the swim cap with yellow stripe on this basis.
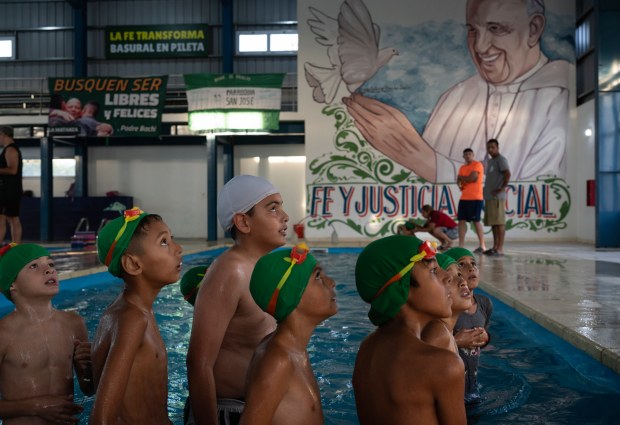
(382, 273)
(280, 278)
(113, 239)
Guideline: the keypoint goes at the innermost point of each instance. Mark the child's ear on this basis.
(131, 264)
(241, 222)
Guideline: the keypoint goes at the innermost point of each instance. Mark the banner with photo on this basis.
(106, 106)
(234, 102)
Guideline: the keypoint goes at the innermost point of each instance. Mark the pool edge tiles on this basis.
(579, 359)
(606, 356)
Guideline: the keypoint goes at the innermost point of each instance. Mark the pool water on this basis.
(527, 375)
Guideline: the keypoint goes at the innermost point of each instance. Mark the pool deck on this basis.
(571, 289)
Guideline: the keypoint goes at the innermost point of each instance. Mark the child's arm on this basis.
(428, 227)
(450, 391)
(267, 384)
(215, 306)
(471, 338)
(127, 336)
(53, 409)
(82, 363)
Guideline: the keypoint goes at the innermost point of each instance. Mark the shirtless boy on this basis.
(281, 388)
(398, 378)
(228, 325)
(129, 356)
(39, 345)
(439, 331)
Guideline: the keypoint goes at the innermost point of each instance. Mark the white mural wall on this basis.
(393, 91)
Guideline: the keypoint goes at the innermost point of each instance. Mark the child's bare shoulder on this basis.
(123, 316)
(274, 358)
(8, 326)
(231, 270)
(436, 333)
(71, 318)
(441, 361)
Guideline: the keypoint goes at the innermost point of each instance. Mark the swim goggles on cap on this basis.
(426, 251)
(6, 248)
(298, 256)
(129, 215)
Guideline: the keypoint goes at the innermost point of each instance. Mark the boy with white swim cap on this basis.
(228, 325)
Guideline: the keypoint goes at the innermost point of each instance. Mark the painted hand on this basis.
(388, 130)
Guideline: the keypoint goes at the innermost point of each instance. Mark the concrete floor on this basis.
(571, 289)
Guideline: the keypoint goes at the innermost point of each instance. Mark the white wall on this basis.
(172, 181)
(167, 180)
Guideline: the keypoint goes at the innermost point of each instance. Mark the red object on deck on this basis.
(299, 230)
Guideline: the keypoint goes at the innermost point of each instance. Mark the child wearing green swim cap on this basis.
(40, 346)
(130, 362)
(439, 331)
(399, 379)
(281, 387)
(471, 329)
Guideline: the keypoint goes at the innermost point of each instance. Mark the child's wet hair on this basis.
(412, 280)
(141, 231)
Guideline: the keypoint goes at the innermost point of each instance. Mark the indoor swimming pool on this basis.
(527, 375)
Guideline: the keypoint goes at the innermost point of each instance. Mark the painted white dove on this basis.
(352, 43)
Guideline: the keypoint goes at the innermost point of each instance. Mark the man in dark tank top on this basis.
(10, 185)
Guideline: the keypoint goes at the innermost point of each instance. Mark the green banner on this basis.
(234, 102)
(106, 106)
(156, 41)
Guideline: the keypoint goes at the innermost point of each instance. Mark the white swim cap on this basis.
(239, 195)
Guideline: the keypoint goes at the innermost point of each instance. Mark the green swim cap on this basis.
(280, 278)
(409, 225)
(190, 282)
(457, 253)
(113, 239)
(13, 258)
(444, 261)
(382, 273)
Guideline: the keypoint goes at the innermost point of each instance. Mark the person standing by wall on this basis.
(11, 189)
(469, 181)
(497, 177)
